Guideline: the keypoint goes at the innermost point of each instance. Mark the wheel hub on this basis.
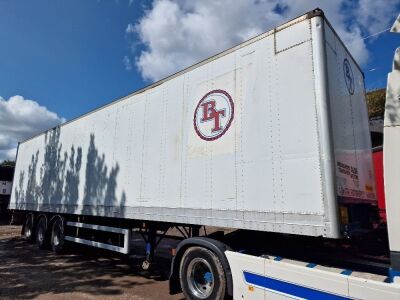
(56, 239)
(40, 235)
(200, 278)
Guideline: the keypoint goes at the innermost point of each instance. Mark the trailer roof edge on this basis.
(311, 14)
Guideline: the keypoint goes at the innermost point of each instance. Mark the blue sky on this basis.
(381, 57)
(66, 55)
(70, 57)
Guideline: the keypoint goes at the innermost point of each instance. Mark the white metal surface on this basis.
(168, 153)
(325, 124)
(352, 143)
(126, 232)
(396, 25)
(98, 227)
(391, 148)
(259, 278)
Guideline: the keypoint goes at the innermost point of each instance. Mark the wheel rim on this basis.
(28, 229)
(56, 238)
(40, 235)
(200, 278)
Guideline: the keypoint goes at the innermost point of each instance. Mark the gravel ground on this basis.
(81, 273)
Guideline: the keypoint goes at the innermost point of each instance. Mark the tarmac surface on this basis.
(81, 273)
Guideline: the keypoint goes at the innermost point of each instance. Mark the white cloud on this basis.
(178, 33)
(127, 63)
(375, 15)
(130, 28)
(21, 119)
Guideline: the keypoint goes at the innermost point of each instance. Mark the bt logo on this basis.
(348, 76)
(210, 113)
(213, 115)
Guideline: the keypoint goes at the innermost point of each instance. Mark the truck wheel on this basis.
(41, 233)
(202, 275)
(57, 236)
(28, 232)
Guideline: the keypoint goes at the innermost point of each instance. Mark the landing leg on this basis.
(151, 244)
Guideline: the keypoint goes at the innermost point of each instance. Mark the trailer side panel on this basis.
(233, 142)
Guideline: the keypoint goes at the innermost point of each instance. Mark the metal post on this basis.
(150, 247)
(195, 231)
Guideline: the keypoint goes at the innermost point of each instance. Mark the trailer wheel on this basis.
(202, 275)
(41, 233)
(57, 236)
(29, 227)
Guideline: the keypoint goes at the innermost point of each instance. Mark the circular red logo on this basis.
(213, 115)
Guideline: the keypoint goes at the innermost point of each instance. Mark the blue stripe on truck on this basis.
(288, 288)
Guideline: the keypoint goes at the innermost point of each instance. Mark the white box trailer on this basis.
(269, 135)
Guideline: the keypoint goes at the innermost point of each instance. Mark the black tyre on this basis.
(29, 228)
(57, 240)
(42, 236)
(202, 275)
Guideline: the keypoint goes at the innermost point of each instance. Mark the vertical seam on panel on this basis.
(143, 148)
(241, 139)
(212, 150)
(353, 128)
(268, 136)
(235, 133)
(183, 157)
(208, 179)
(273, 135)
(161, 178)
(115, 133)
(129, 146)
(322, 183)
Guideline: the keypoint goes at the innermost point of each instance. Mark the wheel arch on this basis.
(28, 214)
(42, 215)
(54, 218)
(215, 246)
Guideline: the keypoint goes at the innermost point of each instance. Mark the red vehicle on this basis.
(379, 181)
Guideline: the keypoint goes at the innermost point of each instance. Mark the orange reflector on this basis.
(344, 215)
(173, 251)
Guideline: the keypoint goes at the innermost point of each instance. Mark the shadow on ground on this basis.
(27, 272)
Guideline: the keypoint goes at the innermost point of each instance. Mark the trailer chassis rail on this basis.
(125, 232)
